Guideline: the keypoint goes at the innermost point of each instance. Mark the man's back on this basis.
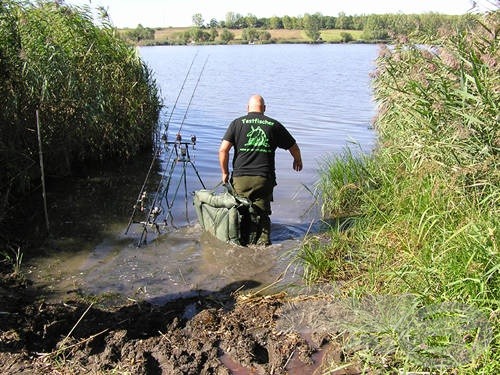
(255, 137)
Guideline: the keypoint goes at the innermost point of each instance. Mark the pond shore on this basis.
(170, 35)
(221, 333)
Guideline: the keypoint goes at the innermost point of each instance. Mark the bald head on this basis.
(256, 104)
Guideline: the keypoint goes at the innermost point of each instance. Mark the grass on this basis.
(427, 201)
(335, 36)
(15, 259)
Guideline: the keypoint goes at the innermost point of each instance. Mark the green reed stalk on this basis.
(96, 98)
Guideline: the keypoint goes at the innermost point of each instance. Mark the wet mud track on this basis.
(225, 332)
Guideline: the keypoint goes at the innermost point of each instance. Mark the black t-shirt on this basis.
(255, 138)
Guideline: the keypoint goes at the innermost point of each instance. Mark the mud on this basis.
(228, 330)
(224, 332)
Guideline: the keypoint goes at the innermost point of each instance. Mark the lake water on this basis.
(321, 93)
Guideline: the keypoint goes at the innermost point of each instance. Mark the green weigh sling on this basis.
(230, 218)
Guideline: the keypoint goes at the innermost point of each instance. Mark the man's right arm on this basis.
(224, 148)
(297, 158)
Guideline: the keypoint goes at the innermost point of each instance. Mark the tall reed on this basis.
(96, 98)
(428, 222)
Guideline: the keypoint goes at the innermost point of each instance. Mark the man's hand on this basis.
(297, 158)
(297, 165)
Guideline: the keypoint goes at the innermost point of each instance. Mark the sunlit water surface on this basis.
(321, 93)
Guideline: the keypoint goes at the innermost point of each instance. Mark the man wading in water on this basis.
(255, 138)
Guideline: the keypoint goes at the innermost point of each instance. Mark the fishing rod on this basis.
(177, 99)
(181, 150)
(182, 155)
(142, 193)
(192, 95)
(182, 88)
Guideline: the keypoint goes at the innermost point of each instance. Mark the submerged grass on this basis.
(427, 201)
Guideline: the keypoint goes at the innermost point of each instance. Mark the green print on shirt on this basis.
(257, 141)
(257, 121)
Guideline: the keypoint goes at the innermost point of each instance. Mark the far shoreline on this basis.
(172, 36)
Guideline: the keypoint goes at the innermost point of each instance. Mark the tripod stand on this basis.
(181, 156)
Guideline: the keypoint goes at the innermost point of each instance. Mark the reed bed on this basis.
(96, 99)
(426, 203)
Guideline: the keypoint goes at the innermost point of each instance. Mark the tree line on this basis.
(374, 27)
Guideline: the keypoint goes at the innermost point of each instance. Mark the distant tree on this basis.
(358, 22)
(264, 36)
(312, 25)
(402, 24)
(213, 23)
(275, 23)
(213, 34)
(230, 20)
(297, 23)
(226, 36)
(430, 23)
(198, 35)
(344, 22)
(329, 22)
(346, 37)
(250, 34)
(182, 37)
(376, 27)
(240, 22)
(263, 23)
(198, 20)
(140, 33)
(244, 35)
(250, 20)
(287, 22)
(235, 20)
(318, 17)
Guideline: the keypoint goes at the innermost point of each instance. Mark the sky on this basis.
(165, 13)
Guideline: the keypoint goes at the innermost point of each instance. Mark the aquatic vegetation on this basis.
(427, 222)
(95, 98)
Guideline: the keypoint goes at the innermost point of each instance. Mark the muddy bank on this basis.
(224, 332)
(217, 331)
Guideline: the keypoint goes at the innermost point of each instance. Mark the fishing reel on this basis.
(178, 140)
(181, 147)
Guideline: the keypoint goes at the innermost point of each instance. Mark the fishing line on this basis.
(164, 137)
(182, 89)
(192, 95)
